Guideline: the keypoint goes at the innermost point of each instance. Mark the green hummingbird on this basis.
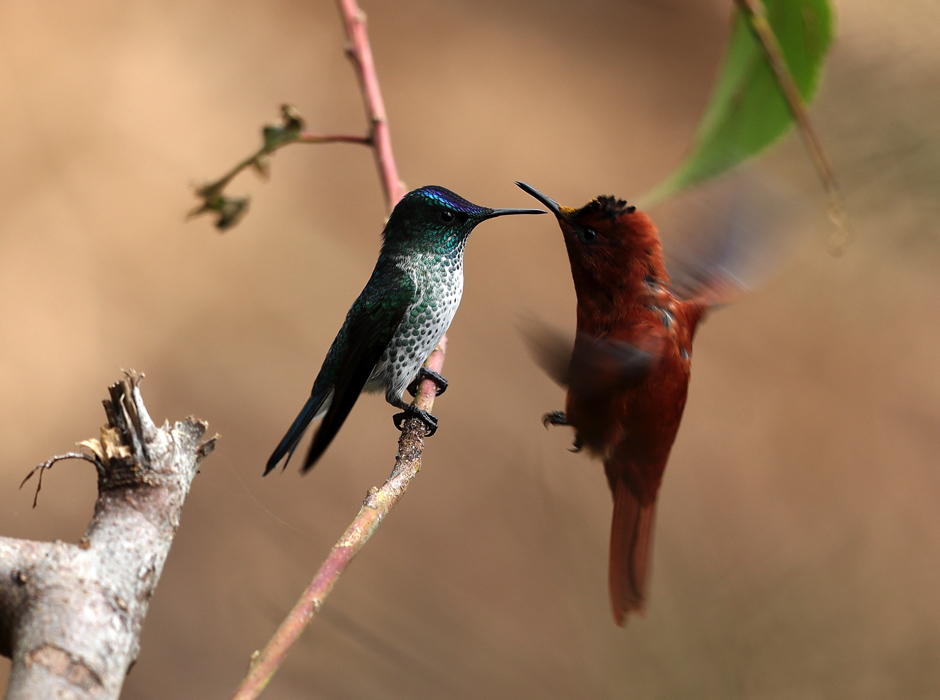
(397, 320)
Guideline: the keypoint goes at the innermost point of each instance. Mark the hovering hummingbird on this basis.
(628, 373)
(400, 316)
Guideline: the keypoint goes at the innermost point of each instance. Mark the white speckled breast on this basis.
(438, 283)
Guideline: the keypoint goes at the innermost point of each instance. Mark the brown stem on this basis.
(230, 210)
(268, 149)
(757, 17)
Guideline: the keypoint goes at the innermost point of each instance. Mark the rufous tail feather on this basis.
(631, 534)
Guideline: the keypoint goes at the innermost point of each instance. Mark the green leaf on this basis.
(748, 110)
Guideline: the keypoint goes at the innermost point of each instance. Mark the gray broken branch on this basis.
(71, 614)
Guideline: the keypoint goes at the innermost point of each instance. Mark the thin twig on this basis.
(380, 501)
(291, 130)
(757, 17)
(230, 210)
(255, 159)
(45, 466)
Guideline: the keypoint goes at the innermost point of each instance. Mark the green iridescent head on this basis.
(434, 219)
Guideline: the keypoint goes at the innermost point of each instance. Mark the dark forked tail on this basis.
(289, 442)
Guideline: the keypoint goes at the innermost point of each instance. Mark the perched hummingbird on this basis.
(628, 373)
(400, 316)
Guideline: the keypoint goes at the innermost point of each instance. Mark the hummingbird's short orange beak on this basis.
(560, 212)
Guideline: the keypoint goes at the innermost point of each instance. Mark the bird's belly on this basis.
(419, 332)
(644, 417)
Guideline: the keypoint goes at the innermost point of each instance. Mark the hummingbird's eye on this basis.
(446, 217)
(588, 235)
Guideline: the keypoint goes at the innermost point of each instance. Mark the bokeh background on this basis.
(797, 551)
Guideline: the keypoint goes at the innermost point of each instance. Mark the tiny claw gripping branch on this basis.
(425, 373)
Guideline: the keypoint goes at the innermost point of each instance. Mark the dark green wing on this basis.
(372, 322)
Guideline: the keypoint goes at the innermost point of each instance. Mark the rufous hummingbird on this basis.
(628, 372)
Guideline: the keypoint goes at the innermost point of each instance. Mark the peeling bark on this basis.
(71, 614)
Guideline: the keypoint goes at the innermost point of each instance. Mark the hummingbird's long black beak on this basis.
(503, 212)
(547, 201)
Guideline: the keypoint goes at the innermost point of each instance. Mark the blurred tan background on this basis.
(797, 552)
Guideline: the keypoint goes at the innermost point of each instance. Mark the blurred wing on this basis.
(607, 365)
(551, 349)
(726, 234)
(589, 366)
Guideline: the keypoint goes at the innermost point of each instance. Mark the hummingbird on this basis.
(628, 372)
(399, 317)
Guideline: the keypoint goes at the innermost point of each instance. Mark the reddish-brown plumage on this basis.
(628, 374)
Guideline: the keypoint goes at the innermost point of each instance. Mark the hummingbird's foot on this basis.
(411, 411)
(555, 418)
(559, 418)
(425, 373)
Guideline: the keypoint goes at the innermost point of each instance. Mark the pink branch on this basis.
(411, 444)
(376, 506)
(360, 53)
